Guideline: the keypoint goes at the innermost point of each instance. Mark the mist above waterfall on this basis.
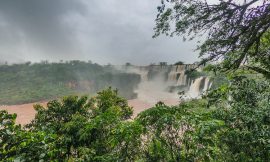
(163, 83)
(155, 90)
(52, 30)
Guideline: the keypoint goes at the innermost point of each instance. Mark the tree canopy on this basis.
(19, 82)
(100, 129)
(230, 123)
(237, 32)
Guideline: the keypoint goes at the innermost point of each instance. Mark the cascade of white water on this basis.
(182, 79)
(206, 84)
(177, 75)
(172, 76)
(163, 82)
(181, 68)
(194, 90)
(210, 85)
(143, 73)
(151, 90)
(189, 82)
(141, 70)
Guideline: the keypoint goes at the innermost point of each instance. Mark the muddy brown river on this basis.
(26, 112)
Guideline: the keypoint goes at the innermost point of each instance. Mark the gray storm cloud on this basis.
(115, 31)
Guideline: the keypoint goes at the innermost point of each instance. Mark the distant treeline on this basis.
(22, 83)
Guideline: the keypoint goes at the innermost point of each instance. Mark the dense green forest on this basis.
(99, 129)
(24, 83)
(230, 123)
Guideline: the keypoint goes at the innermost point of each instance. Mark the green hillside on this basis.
(23, 83)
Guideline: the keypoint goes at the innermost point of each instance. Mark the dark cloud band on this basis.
(115, 31)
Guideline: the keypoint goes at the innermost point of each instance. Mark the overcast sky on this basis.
(104, 31)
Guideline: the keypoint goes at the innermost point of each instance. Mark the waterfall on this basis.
(164, 82)
(182, 79)
(194, 90)
(177, 75)
(206, 84)
(143, 73)
(172, 76)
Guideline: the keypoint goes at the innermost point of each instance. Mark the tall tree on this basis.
(237, 32)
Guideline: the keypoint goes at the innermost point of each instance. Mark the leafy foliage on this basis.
(19, 82)
(23, 145)
(232, 126)
(237, 31)
(180, 133)
(231, 123)
(244, 105)
(238, 39)
(88, 129)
